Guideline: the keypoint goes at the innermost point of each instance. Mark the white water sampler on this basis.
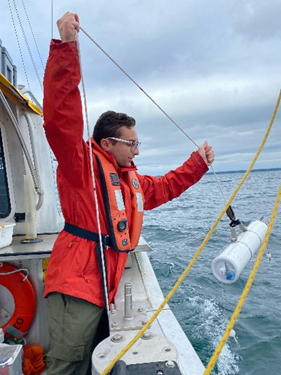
(230, 263)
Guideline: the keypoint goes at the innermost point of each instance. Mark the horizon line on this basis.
(244, 170)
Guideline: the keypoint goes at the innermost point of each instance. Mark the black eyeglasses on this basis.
(134, 144)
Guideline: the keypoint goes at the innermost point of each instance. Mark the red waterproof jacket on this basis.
(73, 268)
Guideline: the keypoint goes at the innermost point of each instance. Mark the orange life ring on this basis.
(24, 298)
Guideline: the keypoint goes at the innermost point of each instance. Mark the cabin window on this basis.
(5, 204)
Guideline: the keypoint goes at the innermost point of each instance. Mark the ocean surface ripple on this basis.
(202, 304)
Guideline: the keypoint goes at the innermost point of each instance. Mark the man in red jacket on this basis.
(74, 285)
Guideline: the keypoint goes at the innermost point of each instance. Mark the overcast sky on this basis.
(214, 67)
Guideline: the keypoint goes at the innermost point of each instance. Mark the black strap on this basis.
(88, 235)
(92, 236)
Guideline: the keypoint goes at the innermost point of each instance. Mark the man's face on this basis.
(123, 152)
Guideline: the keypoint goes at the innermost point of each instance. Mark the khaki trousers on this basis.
(72, 324)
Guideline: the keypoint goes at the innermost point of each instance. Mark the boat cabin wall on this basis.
(49, 218)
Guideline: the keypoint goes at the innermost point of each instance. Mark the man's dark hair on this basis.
(110, 123)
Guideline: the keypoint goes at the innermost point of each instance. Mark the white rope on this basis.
(153, 101)
(94, 184)
(18, 42)
(15, 271)
(218, 182)
(27, 46)
(135, 83)
(33, 35)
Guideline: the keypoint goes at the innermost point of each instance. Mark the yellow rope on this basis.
(246, 290)
(185, 272)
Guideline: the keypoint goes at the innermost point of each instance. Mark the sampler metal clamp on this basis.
(234, 223)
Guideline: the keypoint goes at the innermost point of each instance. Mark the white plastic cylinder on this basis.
(30, 208)
(228, 266)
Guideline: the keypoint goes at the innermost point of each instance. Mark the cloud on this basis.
(214, 68)
(258, 20)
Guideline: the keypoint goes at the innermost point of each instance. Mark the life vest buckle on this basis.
(105, 241)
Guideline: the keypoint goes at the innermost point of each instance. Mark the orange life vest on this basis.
(122, 238)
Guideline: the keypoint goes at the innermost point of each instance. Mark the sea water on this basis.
(202, 304)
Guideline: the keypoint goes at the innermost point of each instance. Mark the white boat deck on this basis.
(147, 296)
